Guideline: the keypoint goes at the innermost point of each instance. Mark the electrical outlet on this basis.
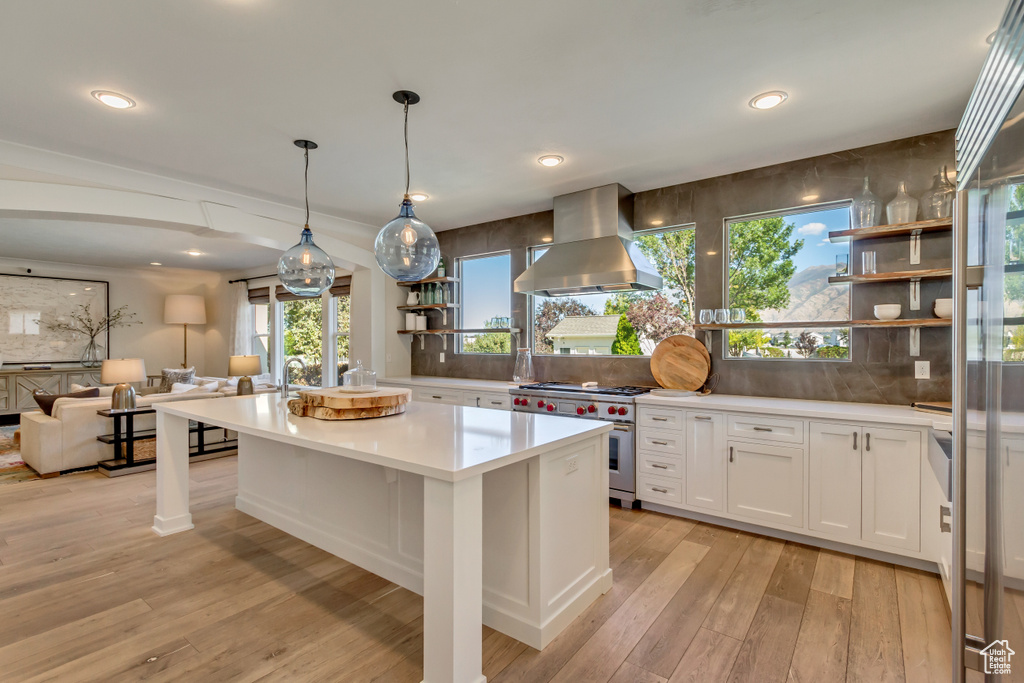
(922, 369)
(442, 356)
(387, 358)
(571, 465)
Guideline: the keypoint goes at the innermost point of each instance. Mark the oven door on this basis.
(621, 464)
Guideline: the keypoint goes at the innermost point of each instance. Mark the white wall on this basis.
(143, 291)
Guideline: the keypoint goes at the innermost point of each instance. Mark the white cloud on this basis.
(823, 243)
(811, 229)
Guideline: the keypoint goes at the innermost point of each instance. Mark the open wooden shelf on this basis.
(833, 324)
(427, 281)
(426, 307)
(892, 230)
(899, 276)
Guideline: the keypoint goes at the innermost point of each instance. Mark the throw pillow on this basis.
(104, 391)
(183, 388)
(173, 375)
(46, 401)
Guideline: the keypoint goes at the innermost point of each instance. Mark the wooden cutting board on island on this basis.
(349, 403)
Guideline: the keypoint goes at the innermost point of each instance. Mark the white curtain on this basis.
(241, 321)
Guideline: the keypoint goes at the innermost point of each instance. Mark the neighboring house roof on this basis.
(586, 326)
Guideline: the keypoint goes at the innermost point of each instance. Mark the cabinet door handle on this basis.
(867, 441)
(495, 403)
(660, 443)
(437, 397)
(660, 467)
(701, 417)
(731, 459)
(762, 429)
(855, 441)
(659, 489)
(660, 419)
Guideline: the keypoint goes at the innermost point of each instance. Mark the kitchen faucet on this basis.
(287, 365)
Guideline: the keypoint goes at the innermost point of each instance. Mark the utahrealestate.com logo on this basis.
(997, 657)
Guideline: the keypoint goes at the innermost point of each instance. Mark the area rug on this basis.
(12, 468)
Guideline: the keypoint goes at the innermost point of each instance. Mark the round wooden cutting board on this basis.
(681, 362)
(342, 403)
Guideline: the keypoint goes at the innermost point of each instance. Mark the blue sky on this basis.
(813, 228)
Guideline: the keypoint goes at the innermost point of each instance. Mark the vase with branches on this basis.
(81, 321)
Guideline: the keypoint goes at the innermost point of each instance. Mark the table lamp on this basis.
(121, 371)
(185, 309)
(242, 367)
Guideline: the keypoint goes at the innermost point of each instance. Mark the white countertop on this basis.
(450, 383)
(445, 442)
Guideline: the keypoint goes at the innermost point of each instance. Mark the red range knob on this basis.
(540, 404)
(591, 408)
(517, 401)
(622, 411)
(551, 406)
(581, 411)
(611, 410)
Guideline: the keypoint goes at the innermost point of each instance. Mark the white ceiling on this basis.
(127, 246)
(647, 93)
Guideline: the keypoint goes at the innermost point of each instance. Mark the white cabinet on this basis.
(766, 483)
(494, 401)
(891, 496)
(706, 456)
(479, 399)
(429, 395)
(1012, 456)
(834, 488)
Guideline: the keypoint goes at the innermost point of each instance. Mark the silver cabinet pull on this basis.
(660, 467)
(867, 441)
(762, 429)
(660, 443)
(731, 458)
(855, 441)
(437, 397)
(659, 489)
(701, 417)
(495, 403)
(660, 419)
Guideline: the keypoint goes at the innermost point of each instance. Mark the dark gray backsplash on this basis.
(881, 370)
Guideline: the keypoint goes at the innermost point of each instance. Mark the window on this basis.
(261, 334)
(778, 271)
(630, 323)
(486, 302)
(303, 341)
(343, 307)
(1013, 282)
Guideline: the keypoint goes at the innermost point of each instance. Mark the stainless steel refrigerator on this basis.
(988, 382)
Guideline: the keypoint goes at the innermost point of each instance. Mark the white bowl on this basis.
(888, 311)
(944, 308)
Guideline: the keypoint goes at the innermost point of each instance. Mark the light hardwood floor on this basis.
(89, 593)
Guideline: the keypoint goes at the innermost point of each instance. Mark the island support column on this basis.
(172, 513)
(453, 581)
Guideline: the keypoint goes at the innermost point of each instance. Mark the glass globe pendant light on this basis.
(306, 269)
(406, 248)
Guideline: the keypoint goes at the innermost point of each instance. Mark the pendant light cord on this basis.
(305, 178)
(407, 146)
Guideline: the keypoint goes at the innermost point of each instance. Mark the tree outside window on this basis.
(303, 341)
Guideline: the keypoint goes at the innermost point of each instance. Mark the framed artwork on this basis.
(33, 308)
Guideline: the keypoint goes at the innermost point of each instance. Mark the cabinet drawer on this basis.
(437, 396)
(661, 465)
(659, 489)
(660, 418)
(660, 441)
(766, 428)
(494, 401)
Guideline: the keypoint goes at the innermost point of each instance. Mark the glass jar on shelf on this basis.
(938, 201)
(866, 210)
(903, 208)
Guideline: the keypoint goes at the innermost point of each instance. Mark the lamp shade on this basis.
(185, 309)
(240, 366)
(122, 370)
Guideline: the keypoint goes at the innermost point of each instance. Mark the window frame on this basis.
(727, 260)
(335, 334)
(531, 298)
(457, 317)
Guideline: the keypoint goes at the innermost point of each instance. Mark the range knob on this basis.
(591, 408)
(611, 410)
(551, 407)
(515, 401)
(623, 410)
(540, 404)
(581, 411)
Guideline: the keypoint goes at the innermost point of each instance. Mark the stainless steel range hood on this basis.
(593, 249)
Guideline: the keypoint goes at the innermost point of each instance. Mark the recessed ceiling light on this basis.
(419, 197)
(767, 100)
(809, 197)
(550, 160)
(991, 38)
(88, 289)
(194, 252)
(657, 222)
(546, 239)
(113, 99)
(71, 293)
(155, 263)
(712, 253)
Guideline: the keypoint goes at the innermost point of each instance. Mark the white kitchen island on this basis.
(494, 517)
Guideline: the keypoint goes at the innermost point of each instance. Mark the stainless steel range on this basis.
(593, 402)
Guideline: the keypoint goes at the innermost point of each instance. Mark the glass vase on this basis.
(92, 356)
(523, 372)
(866, 210)
(902, 209)
(938, 201)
